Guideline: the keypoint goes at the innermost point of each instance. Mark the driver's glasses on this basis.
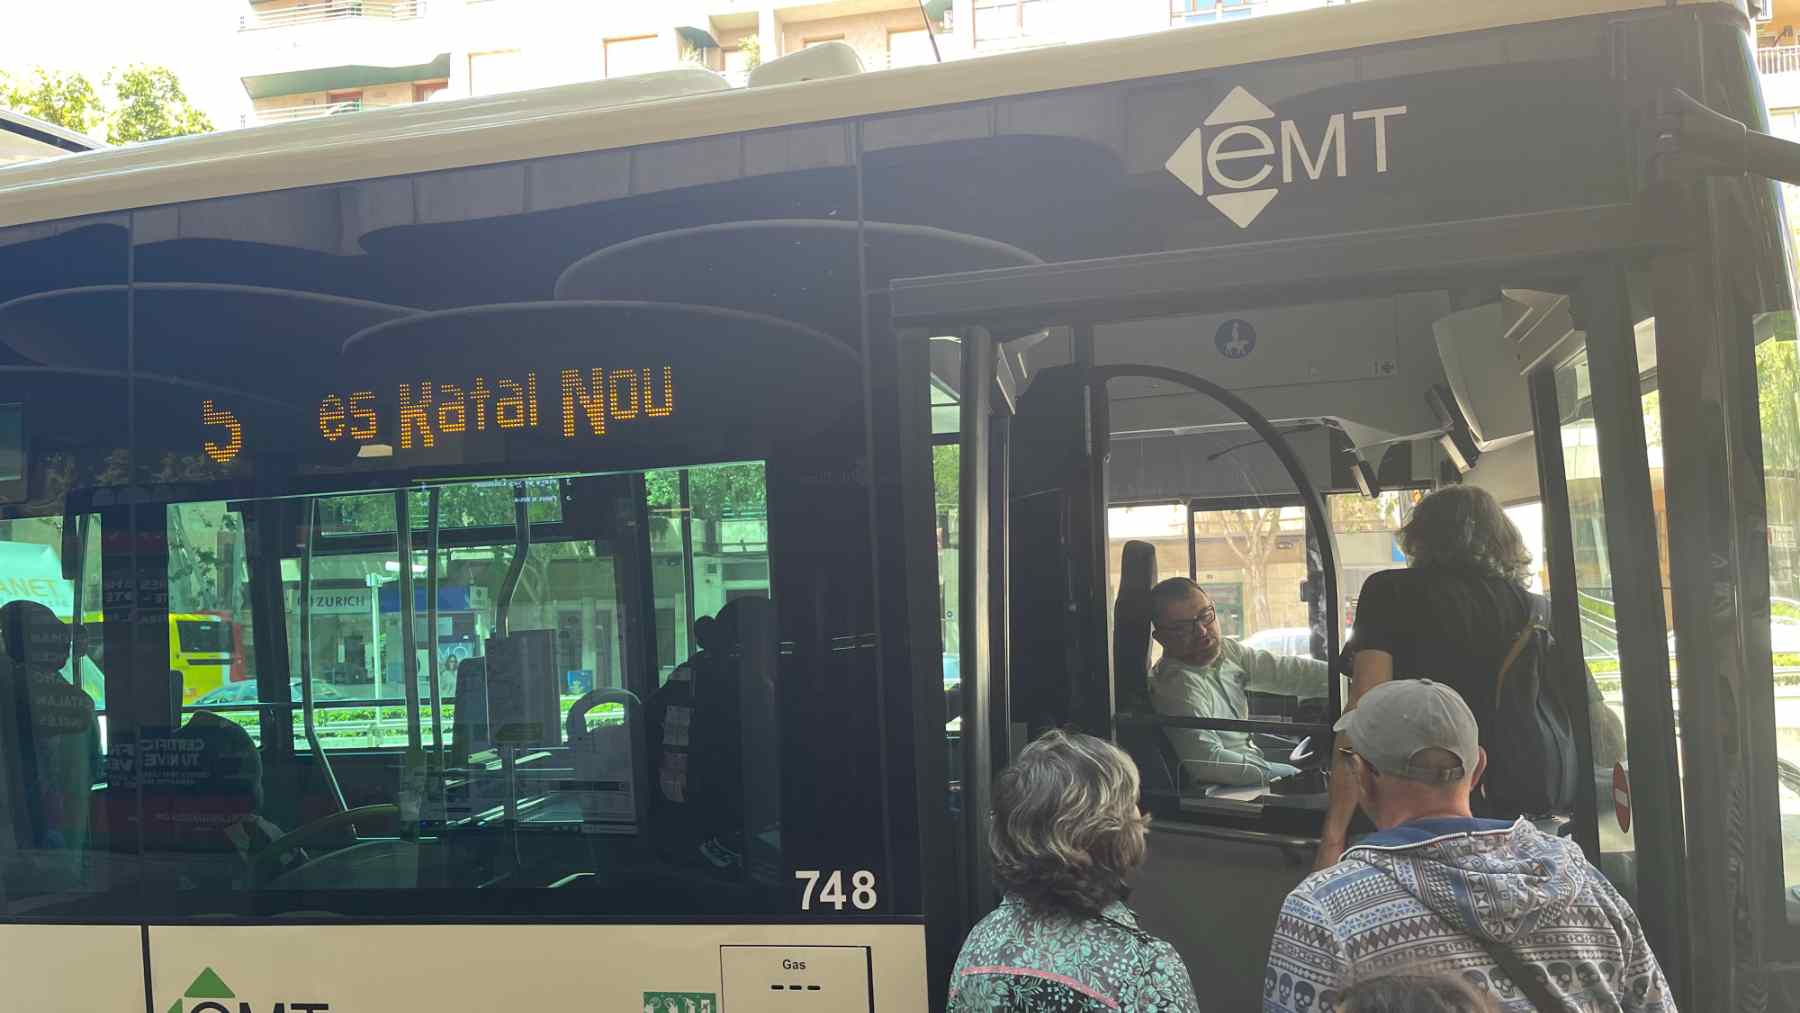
(1189, 627)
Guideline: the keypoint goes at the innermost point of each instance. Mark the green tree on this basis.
(1778, 387)
(1386, 512)
(712, 491)
(151, 105)
(65, 98)
(1778, 382)
(946, 475)
(1253, 535)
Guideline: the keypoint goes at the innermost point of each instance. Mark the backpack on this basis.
(1532, 762)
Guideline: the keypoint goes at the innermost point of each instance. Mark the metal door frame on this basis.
(1584, 250)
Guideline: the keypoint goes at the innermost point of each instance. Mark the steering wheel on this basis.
(265, 864)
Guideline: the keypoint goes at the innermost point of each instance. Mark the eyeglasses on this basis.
(1189, 627)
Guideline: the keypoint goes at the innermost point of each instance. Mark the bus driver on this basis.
(1202, 674)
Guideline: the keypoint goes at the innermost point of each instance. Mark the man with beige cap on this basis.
(1516, 913)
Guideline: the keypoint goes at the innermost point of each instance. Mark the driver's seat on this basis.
(1147, 745)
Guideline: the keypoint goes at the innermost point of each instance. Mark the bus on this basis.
(206, 649)
(656, 400)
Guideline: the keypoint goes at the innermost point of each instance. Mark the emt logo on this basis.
(1230, 160)
(210, 994)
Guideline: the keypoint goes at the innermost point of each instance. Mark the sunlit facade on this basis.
(304, 58)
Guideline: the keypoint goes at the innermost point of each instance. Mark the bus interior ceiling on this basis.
(1345, 381)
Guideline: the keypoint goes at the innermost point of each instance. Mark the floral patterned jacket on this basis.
(1016, 960)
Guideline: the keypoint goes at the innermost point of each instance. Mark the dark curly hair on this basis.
(1066, 829)
(1462, 527)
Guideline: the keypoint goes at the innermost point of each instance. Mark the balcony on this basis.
(1002, 25)
(1780, 68)
(348, 34)
(1183, 13)
(309, 111)
(332, 10)
(1778, 60)
(1208, 12)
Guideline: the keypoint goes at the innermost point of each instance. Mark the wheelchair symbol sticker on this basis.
(1236, 339)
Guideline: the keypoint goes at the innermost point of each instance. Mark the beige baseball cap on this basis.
(1397, 720)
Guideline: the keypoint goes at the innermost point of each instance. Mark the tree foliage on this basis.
(712, 492)
(946, 475)
(151, 105)
(145, 102)
(65, 98)
(1253, 535)
(1386, 512)
(751, 45)
(464, 505)
(1778, 382)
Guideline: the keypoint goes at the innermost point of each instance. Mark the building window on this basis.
(910, 48)
(1010, 19)
(343, 102)
(739, 62)
(1206, 12)
(424, 90)
(638, 54)
(497, 71)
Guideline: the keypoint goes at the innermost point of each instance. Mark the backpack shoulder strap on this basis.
(1512, 656)
(1534, 988)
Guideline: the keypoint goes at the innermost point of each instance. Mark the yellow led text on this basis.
(429, 410)
(222, 453)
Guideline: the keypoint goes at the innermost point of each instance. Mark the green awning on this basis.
(697, 37)
(297, 82)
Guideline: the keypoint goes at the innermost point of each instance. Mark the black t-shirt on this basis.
(1450, 626)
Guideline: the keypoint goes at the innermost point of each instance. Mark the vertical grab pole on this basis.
(77, 636)
(432, 504)
(521, 546)
(503, 628)
(1565, 610)
(687, 548)
(977, 387)
(409, 611)
(310, 526)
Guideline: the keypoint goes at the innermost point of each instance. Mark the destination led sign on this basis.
(580, 404)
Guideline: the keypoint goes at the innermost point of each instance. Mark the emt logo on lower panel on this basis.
(210, 994)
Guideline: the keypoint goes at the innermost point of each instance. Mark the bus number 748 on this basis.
(862, 889)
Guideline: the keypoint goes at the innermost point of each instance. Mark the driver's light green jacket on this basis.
(1220, 690)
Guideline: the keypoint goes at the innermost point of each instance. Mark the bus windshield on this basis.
(456, 585)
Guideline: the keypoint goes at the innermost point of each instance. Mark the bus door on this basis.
(1264, 432)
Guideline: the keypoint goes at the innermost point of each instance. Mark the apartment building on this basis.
(1778, 60)
(305, 58)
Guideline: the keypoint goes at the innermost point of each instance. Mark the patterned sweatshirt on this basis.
(1415, 898)
(1015, 960)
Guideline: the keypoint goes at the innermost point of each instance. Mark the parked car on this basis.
(1295, 640)
(245, 693)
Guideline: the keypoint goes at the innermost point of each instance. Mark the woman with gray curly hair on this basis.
(1066, 834)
